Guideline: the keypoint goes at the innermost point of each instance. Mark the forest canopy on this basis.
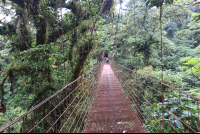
(49, 43)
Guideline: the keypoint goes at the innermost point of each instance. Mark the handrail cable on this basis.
(48, 99)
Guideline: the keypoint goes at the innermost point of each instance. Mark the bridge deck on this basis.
(111, 111)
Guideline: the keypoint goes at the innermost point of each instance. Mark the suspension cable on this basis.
(121, 20)
(63, 47)
(117, 25)
(135, 36)
(161, 40)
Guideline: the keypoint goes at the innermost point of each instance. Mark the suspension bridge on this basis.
(112, 99)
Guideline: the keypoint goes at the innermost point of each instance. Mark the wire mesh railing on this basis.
(63, 112)
(160, 107)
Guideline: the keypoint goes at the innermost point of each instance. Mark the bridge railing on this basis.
(63, 112)
(160, 107)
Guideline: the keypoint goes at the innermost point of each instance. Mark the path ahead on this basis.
(111, 111)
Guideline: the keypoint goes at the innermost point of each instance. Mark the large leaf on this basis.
(179, 124)
(197, 18)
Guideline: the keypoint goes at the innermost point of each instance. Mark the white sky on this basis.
(8, 18)
(124, 5)
(4, 17)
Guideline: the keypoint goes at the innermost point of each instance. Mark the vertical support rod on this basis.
(9, 130)
(43, 114)
(198, 115)
(135, 32)
(188, 115)
(49, 107)
(34, 121)
(162, 108)
(161, 40)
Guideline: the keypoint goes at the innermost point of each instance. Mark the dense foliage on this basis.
(35, 61)
(134, 40)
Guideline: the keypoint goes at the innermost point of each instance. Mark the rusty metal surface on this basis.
(148, 101)
(156, 101)
(111, 111)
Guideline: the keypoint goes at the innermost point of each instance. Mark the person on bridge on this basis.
(105, 60)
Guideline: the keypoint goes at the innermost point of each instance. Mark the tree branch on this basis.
(194, 74)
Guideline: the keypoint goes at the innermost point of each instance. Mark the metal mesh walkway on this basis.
(111, 111)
